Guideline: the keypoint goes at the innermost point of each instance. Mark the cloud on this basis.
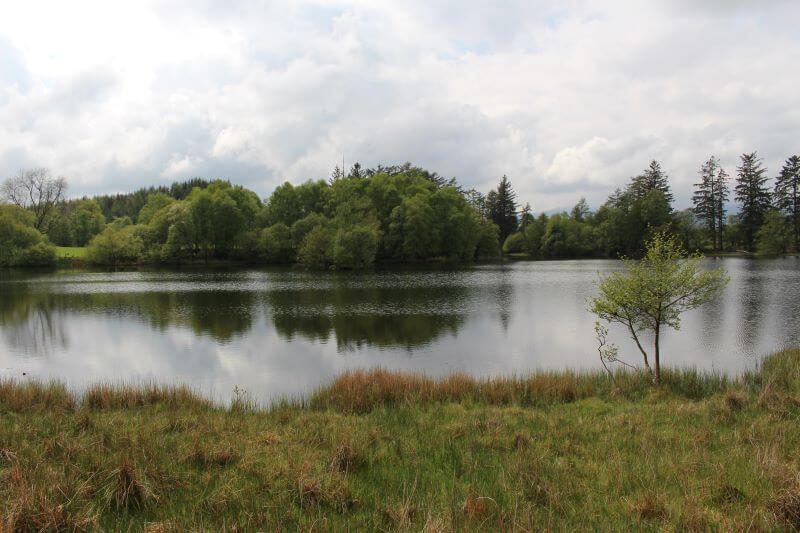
(568, 99)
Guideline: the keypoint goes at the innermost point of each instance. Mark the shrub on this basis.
(20, 243)
(515, 243)
(116, 245)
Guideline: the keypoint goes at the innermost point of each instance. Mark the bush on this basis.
(40, 254)
(515, 243)
(116, 245)
(20, 243)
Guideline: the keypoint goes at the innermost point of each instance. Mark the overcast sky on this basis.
(568, 98)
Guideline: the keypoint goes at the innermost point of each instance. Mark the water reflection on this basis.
(32, 326)
(355, 317)
(285, 331)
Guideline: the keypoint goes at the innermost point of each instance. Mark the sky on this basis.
(568, 98)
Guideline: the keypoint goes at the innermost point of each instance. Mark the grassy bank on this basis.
(386, 451)
(71, 252)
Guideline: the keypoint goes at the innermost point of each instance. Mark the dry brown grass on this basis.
(34, 507)
(361, 391)
(346, 458)
(129, 489)
(108, 396)
(7, 456)
(649, 507)
(18, 397)
(205, 458)
(787, 507)
(330, 491)
(476, 507)
(735, 400)
(39, 514)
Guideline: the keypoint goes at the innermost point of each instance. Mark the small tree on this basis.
(652, 293)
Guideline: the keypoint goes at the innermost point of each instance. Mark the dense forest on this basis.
(396, 213)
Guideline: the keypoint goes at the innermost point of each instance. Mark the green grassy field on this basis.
(70, 252)
(382, 451)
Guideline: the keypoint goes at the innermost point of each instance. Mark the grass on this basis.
(71, 252)
(384, 451)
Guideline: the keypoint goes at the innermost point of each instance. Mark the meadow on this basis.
(383, 451)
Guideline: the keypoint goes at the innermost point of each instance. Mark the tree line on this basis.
(389, 213)
(767, 221)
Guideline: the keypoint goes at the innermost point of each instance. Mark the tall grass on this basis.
(21, 396)
(361, 391)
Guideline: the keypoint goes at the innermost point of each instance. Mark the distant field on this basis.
(71, 252)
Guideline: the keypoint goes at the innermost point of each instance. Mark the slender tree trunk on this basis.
(657, 378)
(796, 220)
(639, 344)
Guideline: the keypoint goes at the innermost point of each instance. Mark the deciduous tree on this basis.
(35, 189)
(651, 294)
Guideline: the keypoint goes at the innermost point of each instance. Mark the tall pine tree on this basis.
(723, 193)
(709, 199)
(787, 195)
(502, 206)
(753, 195)
(653, 177)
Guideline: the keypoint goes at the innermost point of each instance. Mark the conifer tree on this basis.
(653, 177)
(356, 171)
(787, 195)
(723, 193)
(336, 175)
(526, 217)
(709, 199)
(502, 206)
(753, 195)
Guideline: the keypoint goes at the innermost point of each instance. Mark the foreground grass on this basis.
(71, 252)
(386, 451)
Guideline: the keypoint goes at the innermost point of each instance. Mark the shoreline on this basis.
(79, 262)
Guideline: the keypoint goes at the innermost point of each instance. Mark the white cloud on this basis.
(568, 99)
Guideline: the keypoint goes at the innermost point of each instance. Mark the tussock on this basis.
(346, 458)
(787, 507)
(128, 489)
(205, 458)
(735, 400)
(649, 507)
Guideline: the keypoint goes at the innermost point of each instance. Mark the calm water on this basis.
(284, 332)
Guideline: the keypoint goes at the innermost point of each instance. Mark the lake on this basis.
(284, 332)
